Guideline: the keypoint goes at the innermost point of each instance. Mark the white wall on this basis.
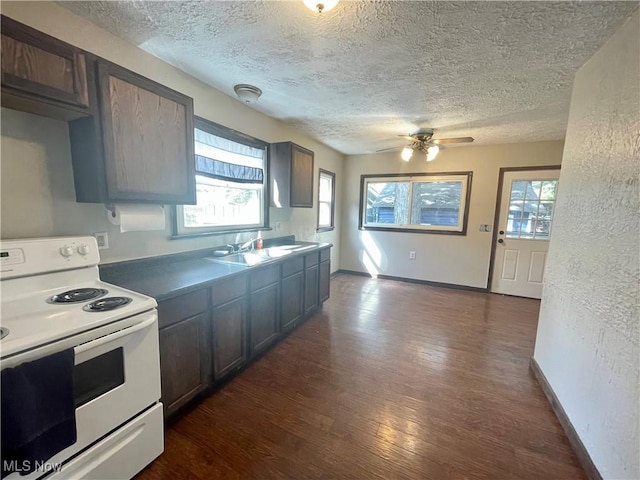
(38, 198)
(589, 329)
(459, 260)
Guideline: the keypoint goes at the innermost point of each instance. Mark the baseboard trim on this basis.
(414, 280)
(574, 440)
(352, 272)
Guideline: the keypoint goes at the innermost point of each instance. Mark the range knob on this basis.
(84, 249)
(66, 251)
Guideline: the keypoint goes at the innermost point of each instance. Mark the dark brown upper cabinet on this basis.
(140, 147)
(41, 74)
(131, 138)
(291, 175)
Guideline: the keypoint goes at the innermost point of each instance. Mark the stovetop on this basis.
(47, 297)
(43, 322)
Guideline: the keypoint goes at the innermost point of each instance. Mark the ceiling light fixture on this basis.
(432, 152)
(320, 5)
(247, 93)
(406, 153)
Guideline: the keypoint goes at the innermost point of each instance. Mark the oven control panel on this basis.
(11, 256)
(32, 256)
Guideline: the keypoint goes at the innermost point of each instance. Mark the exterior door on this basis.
(525, 222)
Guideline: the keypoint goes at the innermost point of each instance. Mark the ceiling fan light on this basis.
(406, 153)
(320, 5)
(432, 152)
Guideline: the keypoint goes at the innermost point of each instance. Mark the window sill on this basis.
(218, 232)
(325, 229)
(413, 230)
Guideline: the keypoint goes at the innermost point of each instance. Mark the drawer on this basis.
(311, 259)
(227, 290)
(265, 276)
(185, 306)
(292, 266)
(325, 255)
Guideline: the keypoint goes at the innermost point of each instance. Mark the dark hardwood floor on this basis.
(390, 380)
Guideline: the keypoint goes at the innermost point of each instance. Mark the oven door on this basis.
(116, 377)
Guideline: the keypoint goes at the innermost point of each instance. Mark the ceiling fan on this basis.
(424, 142)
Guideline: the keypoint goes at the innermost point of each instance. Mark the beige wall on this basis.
(37, 183)
(588, 341)
(460, 260)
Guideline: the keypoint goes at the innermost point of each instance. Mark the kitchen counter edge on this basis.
(165, 280)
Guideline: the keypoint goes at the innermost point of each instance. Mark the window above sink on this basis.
(230, 183)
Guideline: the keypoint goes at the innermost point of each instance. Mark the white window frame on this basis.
(332, 202)
(463, 212)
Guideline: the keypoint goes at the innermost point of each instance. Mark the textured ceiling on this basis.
(357, 76)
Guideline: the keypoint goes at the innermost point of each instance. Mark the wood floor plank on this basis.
(389, 380)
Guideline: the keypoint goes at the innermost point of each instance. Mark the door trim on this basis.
(496, 216)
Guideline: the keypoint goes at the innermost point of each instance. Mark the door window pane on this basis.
(531, 209)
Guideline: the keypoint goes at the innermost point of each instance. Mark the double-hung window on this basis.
(326, 200)
(421, 202)
(230, 183)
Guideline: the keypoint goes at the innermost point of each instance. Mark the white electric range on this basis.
(52, 299)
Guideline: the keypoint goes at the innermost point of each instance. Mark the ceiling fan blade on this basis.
(392, 148)
(409, 137)
(443, 141)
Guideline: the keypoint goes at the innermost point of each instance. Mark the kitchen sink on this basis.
(254, 257)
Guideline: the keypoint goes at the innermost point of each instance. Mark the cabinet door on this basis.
(185, 362)
(148, 138)
(41, 67)
(264, 318)
(229, 336)
(310, 289)
(292, 300)
(301, 177)
(324, 277)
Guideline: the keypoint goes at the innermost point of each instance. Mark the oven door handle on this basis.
(114, 336)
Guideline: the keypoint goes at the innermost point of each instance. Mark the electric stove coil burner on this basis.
(78, 295)
(3, 332)
(106, 304)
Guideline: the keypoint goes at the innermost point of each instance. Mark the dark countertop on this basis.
(176, 275)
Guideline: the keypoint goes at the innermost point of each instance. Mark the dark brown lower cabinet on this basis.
(324, 277)
(185, 361)
(310, 289)
(229, 336)
(207, 334)
(264, 317)
(292, 300)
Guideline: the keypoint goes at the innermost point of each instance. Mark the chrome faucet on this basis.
(248, 245)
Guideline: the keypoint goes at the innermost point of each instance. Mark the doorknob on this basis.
(501, 232)
(500, 240)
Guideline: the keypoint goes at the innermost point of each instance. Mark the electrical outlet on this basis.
(412, 255)
(278, 225)
(102, 239)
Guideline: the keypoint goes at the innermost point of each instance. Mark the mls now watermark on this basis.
(29, 466)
